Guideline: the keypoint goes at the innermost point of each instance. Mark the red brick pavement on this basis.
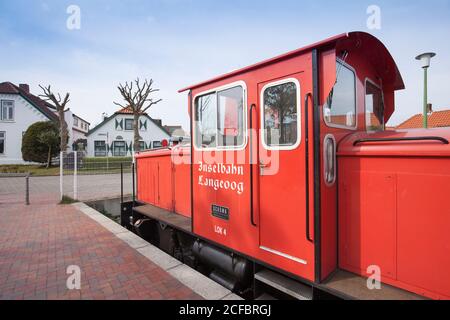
(39, 242)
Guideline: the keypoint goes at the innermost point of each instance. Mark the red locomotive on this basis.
(292, 185)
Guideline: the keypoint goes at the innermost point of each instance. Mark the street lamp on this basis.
(425, 58)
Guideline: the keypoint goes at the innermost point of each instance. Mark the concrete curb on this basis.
(197, 282)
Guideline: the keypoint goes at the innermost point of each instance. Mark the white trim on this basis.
(244, 120)
(331, 125)
(365, 105)
(299, 109)
(284, 255)
(329, 136)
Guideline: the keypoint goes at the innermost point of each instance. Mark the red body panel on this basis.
(163, 182)
(394, 211)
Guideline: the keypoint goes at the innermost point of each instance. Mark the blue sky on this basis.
(179, 42)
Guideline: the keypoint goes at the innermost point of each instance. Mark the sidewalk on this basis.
(39, 242)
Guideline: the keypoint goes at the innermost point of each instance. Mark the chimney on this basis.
(430, 108)
(158, 121)
(25, 87)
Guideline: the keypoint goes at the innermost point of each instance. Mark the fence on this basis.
(84, 178)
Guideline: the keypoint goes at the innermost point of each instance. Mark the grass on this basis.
(34, 170)
(89, 167)
(67, 200)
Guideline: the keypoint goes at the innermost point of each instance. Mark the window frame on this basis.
(153, 145)
(365, 105)
(338, 126)
(95, 150)
(13, 107)
(299, 115)
(114, 148)
(4, 143)
(215, 90)
(125, 124)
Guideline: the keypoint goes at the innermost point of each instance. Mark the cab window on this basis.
(374, 108)
(340, 108)
(219, 119)
(281, 114)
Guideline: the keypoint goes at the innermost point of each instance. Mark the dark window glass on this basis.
(230, 117)
(142, 145)
(128, 124)
(120, 149)
(340, 108)
(100, 148)
(281, 115)
(374, 108)
(2, 142)
(157, 144)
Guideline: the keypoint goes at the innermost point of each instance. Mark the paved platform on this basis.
(39, 242)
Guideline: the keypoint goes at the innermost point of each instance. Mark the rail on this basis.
(374, 140)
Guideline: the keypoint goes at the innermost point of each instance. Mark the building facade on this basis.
(19, 109)
(114, 136)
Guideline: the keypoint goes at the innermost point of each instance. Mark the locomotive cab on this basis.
(279, 178)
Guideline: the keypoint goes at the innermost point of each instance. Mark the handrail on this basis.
(308, 234)
(252, 218)
(443, 140)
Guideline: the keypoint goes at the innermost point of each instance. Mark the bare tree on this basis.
(137, 98)
(60, 105)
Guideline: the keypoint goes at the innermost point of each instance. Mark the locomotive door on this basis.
(282, 214)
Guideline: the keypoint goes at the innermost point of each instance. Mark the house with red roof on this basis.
(19, 109)
(436, 119)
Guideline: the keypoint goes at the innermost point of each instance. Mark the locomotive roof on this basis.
(375, 50)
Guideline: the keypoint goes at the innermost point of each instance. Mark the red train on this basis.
(292, 185)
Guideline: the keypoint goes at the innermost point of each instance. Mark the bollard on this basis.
(27, 189)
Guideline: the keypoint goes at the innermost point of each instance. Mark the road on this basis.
(45, 189)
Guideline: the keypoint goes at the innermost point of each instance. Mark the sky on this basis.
(181, 42)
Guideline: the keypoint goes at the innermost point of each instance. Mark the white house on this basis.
(19, 109)
(114, 136)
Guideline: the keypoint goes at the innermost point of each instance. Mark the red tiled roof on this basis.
(437, 119)
(41, 105)
(126, 110)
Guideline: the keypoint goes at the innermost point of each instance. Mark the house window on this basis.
(2, 142)
(142, 145)
(119, 149)
(7, 110)
(374, 108)
(129, 124)
(281, 114)
(100, 148)
(340, 109)
(219, 118)
(157, 144)
(75, 122)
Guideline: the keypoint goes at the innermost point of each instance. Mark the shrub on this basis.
(41, 142)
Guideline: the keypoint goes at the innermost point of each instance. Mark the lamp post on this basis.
(425, 59)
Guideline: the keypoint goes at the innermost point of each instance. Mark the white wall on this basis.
(153, 133)
(25, 115)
